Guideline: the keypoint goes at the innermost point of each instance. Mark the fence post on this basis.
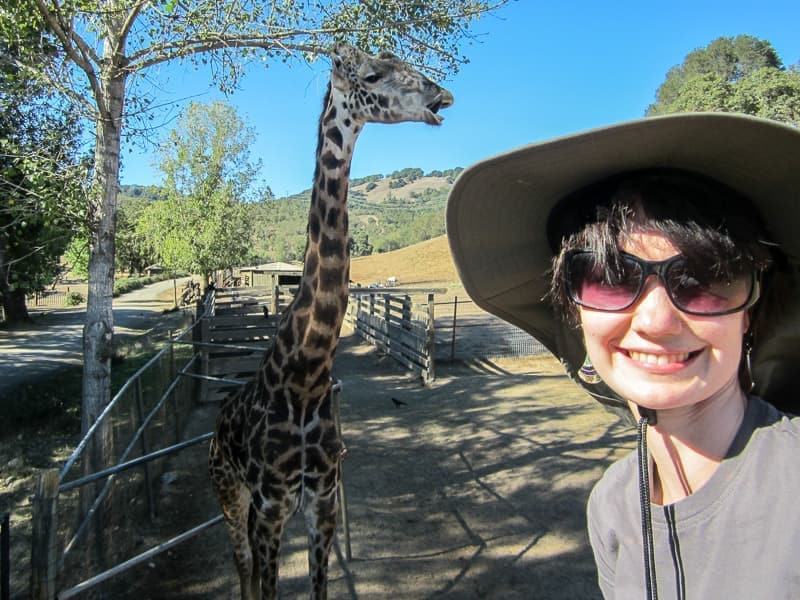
(430, 342)
(172, 375)
(196, 337)
(5, 557)
(140, 414)
(387, 317)
(276, 291)
(453, 340)
(406, 313)
(43, 542)
(205, 337)
(337, 419)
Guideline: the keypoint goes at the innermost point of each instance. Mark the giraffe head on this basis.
(384, 89)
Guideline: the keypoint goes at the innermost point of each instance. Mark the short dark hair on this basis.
(704, 219)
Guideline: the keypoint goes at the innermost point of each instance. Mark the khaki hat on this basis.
(498, 210)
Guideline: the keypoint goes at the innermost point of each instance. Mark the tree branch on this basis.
(81, 59)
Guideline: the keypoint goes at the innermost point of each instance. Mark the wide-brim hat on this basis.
(498, 210)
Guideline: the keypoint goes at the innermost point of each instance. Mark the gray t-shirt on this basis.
(736, 537)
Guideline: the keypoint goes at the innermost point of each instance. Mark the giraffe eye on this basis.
(373, 78)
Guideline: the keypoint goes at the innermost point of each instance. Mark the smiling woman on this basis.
(652, 258)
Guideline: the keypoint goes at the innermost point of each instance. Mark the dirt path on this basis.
(473, 488)
(54, 338)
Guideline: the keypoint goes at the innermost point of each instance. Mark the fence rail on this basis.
(54, 572)
(141, 426)
(396, 326)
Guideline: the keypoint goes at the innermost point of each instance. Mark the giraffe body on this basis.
(276, 449)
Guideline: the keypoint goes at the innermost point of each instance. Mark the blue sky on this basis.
(540, 69)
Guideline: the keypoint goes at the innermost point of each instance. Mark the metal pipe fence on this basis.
(5, 556)
(123, 493)
(77, 507)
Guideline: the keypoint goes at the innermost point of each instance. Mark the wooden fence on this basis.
(396, 326)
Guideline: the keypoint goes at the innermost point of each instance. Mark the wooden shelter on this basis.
(271, 274)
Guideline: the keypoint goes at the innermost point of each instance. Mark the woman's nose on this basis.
(654, 313)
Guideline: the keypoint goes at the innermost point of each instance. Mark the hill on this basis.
(426, 263)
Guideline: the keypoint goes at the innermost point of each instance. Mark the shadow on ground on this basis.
(472, 488)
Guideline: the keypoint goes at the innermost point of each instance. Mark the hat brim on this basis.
(498, 209)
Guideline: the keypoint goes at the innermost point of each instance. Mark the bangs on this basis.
(707, 222)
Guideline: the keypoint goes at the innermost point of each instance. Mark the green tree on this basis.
(202, 225)
(133, 253)
(41, 176)
(733, 74)
(110, 47)
(360, 244)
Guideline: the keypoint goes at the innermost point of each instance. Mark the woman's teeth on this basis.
(658, 359)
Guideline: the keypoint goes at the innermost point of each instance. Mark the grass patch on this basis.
(54, 402)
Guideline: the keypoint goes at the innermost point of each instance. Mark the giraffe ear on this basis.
(336, 52)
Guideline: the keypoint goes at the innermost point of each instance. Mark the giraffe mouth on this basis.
(441, 101)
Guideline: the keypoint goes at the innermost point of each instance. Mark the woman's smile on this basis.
(655, 355)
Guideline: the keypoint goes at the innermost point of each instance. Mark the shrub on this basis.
(74, 299)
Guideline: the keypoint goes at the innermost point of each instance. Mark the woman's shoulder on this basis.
(771, 425)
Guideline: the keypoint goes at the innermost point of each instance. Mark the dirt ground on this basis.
(474, 487)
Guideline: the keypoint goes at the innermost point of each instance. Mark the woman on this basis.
(657, 259)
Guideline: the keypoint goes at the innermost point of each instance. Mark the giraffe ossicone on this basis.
(276, 449)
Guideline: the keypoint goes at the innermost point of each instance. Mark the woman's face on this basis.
(653, 354)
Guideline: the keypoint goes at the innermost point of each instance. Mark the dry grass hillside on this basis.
(381, 190)
(426, 263)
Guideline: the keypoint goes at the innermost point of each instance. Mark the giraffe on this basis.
(275, 450)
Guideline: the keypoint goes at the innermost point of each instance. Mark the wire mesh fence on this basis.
(464, 332)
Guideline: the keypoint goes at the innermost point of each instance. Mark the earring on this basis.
(587, 372)
(749, 382)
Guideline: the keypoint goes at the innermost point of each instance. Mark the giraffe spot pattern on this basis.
(335, 136)
(326, 314)
(313, 228)
(330, 279)
(331, 247)
(333, 189)
(330, 161)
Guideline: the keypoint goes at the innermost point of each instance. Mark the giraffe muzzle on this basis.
(442, 100)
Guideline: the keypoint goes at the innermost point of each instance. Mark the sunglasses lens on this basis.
(593, 285)
(706, 291)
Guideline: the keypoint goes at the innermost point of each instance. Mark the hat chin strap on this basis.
(650, 414)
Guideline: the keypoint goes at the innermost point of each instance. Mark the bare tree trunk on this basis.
(98, 332)
(14, 306)
(99, 329)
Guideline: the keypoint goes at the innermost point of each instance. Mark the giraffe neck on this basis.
(309, 332)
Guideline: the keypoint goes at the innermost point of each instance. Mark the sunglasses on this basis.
(692, 288)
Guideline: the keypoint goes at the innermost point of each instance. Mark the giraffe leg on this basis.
(235, 500)
(320, 516)
(267, 534)
(236, 509)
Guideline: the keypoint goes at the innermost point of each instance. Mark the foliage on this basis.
(133, 253)
(202, 224)
(76, 256)
(74, 299)
(41, 176)
(740, 74)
